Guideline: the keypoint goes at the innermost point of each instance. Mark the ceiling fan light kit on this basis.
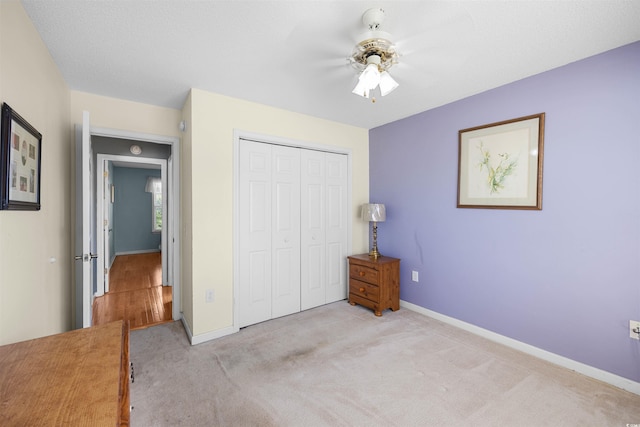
(373, 56)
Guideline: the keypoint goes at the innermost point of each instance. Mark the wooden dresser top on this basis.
(67, 379)
(366, 258)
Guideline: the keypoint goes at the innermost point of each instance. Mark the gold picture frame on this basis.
(500, 164)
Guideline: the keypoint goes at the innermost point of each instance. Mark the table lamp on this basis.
(374, 212)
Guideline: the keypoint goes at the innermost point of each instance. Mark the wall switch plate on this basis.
(634, 329)
(209, 296)
(414, 276)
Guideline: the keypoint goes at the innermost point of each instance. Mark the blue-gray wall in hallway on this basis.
(132, 211)
(565, 279)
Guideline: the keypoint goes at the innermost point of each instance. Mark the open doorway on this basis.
(123, 147)
(133, 282)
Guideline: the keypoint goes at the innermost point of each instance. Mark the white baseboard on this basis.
(143, 251)
(199, 339)
(590, 371)
(187, 328)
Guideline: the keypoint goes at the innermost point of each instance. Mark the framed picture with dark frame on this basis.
(20, 158)
(500, 164)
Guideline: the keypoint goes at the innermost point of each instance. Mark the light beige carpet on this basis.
(339, 365)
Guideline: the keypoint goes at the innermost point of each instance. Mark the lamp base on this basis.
(373, 253)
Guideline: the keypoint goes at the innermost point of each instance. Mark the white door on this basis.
(293, 230)
(166, 218)
(313, 219)
(106, 224)
(285, 236)
(324, 228)
(167, 225)
(270, 232)
(255, 233)
(336, 226)
(83, 256)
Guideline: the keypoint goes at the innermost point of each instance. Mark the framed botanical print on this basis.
(500, 164)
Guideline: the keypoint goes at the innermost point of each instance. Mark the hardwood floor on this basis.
(135, 293)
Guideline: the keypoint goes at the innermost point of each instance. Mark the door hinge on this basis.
(106, 174)
(106, 222)
(106, 271)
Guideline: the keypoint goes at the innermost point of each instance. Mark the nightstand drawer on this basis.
(364, 290)
(365, 274)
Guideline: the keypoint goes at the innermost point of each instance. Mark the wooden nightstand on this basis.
(374, 282)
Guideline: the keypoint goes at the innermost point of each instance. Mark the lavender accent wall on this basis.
(565, 279)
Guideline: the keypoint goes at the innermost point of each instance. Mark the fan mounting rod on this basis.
(373, 18)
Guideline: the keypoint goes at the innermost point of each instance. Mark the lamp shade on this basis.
(361, 89)
(373, 212)
(387, 83)
(370, 77)
(152, 183)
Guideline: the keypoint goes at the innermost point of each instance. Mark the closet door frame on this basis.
(269, 139)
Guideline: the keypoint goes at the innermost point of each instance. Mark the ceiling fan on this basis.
(430, 40)
(373, 55)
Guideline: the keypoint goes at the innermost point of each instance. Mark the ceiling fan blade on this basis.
(424, 59)
(310, 50)
(453, 30)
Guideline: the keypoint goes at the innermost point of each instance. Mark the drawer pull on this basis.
(361, 289)
(361, 273)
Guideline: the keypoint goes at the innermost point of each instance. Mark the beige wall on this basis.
(36, 294)
(35, 291)
(212, 119)
(113, 113)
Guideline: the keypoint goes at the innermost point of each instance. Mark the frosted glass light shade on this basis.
(387, 83)
(361, 89)
(368, 80)
(370, 76)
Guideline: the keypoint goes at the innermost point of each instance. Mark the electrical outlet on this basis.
(414, 276)
(634, 329)
(209, 296)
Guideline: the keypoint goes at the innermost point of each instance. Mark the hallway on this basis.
(135, 293)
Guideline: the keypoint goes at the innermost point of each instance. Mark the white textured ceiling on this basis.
(292, 54)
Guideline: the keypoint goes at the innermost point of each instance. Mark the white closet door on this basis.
(313, 251)
(293, 230)
(285, 231)
(255, 261)
(336, 226)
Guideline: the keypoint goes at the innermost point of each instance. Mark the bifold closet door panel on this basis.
(285, 227)
(313, 218)
(324, 227)
(336, 226)
(255, 207)
(269, 204)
